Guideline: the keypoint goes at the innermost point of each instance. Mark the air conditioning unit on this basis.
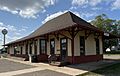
(106, 34)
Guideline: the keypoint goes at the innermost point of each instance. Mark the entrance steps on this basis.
(55, 63)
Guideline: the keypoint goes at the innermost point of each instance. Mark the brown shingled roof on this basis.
(65, 20)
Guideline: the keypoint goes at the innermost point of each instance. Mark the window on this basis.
(63, 48)
(52, 46)
(21, 50)
(15, 50)
(97, 46)
(30, 46)
(43, 46)
(26, 50)
(82, 45)
(35, 47)
(64, 44)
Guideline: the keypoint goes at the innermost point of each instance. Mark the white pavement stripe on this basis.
(21, 71)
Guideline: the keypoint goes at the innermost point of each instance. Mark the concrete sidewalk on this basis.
(70, 70)
(43, 66)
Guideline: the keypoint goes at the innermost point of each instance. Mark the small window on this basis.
(15, 50)
(97, 46)
(82, 45)
(52, 46)
(43, 46)
(35, 47)
(30, 47)
(21, 50)
(26, 49)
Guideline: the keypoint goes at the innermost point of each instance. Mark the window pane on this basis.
(82, 45)
(63, 40)
(43, 46)
(52, 46)
(35, 46)
(97, 46)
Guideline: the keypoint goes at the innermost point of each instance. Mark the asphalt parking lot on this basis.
(6, 66)
(14, 67)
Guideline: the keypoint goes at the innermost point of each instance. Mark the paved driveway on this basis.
(6, 66)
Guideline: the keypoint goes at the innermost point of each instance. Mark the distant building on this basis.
(71, 38)
(2, 51)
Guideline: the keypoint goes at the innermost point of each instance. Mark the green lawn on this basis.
(113, 70)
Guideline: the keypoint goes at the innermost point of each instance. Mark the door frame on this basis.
(50, 45)
(61, 54)
(40, 46)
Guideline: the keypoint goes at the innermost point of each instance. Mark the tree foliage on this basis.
(107, 25)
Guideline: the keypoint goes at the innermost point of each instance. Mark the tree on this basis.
(104, 23)
(107, 25)
(118, 27)
(99, 21)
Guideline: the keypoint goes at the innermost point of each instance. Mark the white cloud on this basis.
(116, 4)
(86, 2)
(76, 13)
(94, 2)
(96, 8)
(88, 14)
(25, 8)
(90, 20)
(49, 17)
(71, 8)
(79, 2)
(44, 11)
(9, 38)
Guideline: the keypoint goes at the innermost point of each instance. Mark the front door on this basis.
(63, 48)
(52, 46)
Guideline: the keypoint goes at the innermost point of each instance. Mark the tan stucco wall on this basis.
(69, 48)
(18, 49)
(69, 43)
(23, 46)
(57, 44)
(57, 48)
(77, 43)
(90, 44)
(48, 47)
(33, 50)
(11, 49)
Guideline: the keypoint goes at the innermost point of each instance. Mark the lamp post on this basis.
(4, 32)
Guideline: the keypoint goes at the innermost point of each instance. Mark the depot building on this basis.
(69, 37)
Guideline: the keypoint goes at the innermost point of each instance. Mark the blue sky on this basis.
(21, 17)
